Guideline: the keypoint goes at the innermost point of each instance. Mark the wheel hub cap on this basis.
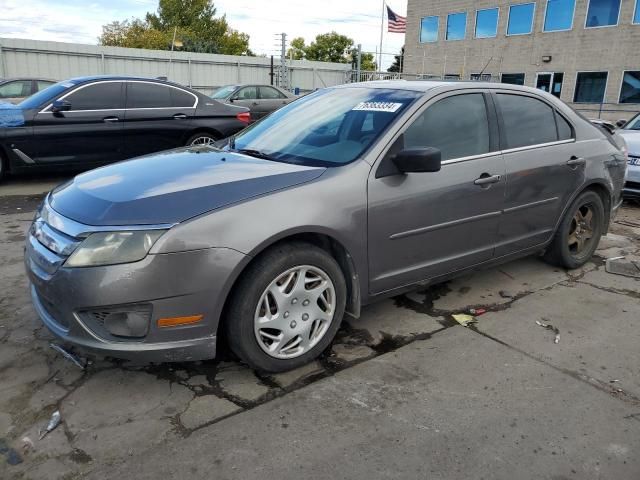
(294, 312)
(581, 230)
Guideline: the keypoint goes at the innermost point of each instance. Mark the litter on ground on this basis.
(548, 326)
(464, 319)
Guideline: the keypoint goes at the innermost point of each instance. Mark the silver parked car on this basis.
(261, 100)
(631, 133)
(346, 196)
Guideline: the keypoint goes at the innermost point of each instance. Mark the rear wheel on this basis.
(201, 139)
(579, 232)
(287, 307)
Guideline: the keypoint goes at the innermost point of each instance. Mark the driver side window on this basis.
(247, 93)
(458, 126)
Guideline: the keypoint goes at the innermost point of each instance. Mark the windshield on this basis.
(330, 127)
(223, 92)
(46, 95)
(633, 124)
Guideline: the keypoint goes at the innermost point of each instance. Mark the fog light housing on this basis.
(126, 322)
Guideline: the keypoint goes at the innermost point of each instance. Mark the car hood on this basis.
(632, 138)
(172, 186)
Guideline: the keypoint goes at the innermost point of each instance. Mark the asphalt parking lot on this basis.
(405, 391)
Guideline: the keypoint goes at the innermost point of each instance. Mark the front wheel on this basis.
(579, 232)
(287, 307)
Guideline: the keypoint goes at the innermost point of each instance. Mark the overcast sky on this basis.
(80, 21)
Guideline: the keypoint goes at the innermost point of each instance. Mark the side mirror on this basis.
(621, 123)
(60, 106)
(233, 98)
(417, 160)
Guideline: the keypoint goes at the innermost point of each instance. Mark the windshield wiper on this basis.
(254, 153)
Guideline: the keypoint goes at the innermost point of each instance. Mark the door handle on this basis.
(576, 161)
(110, 119)
(486, 179)
(179, 116)
(254, 103)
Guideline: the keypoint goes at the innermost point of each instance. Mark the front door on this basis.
(248, 97)
(544, 168)
(423, 225)
(89, 133)
(158, 117)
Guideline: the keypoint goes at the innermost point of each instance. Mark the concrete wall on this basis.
(204, 72)
(612, 49)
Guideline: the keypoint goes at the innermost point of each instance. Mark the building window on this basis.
(487, 23)
(451, 76)
(602, 13)
(521, 19)
(550, 82)
(456, 26)
(630, 92)
(480, 77)
(429, 29)
(590, 87)
(559, 15)
(636, 15)
(513, 78)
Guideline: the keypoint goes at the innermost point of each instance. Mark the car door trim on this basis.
(453, 223)
(530, 205)
(538, 145)
(195, 104)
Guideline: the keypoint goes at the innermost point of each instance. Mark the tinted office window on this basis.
(180, 98)
(630, 92)
(99, 96)
(456, 26)
(457, 125)
(513, 78)
(148, 95)
(477, 77)
(559, 15)
(429, 29)
(565, 132)
(487, 23)
(602, 13)
(590, 87)
(270, 93)
(521, 19)
(636, 14)
(527, 121)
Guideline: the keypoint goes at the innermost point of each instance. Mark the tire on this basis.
(202, 138)
(3, 167)
(574, 242)
(310, 325)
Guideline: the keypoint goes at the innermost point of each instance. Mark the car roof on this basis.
(427, 85)
(13, 79)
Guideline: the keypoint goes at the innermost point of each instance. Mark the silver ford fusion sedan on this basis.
(343, 197)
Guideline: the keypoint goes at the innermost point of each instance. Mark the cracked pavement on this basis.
(403, 354)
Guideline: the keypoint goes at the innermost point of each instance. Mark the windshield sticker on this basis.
(378, 107)
(67, 85)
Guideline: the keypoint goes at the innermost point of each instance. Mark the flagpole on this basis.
(381, 32)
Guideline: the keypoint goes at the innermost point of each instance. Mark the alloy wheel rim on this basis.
(581, 230)
(294, 312)
(202, 141)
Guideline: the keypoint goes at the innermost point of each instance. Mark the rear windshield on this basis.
(330, 127)
(47, 95)
(633, 124)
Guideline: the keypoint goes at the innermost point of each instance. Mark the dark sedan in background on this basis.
(90, 121)
(260, 99)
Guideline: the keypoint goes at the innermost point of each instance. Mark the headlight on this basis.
(109, 248)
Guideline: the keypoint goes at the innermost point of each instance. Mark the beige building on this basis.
(587, 52)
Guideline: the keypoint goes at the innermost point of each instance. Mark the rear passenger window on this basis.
(148, 95)
(565, 132)
(269, 93)
(456, 125)
(180, 98)
(527, 121)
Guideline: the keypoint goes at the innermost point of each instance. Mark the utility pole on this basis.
(283, 73)
(359, 62)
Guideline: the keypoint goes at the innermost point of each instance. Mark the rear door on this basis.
(157, 117)
(423, 225)
(89, 133)
(544, 164)
(271, 99)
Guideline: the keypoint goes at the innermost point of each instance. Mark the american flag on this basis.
(397, 24)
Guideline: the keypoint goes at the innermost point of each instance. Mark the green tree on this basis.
(398, 62)
(193, 22)
(297, 49)
(367, 62)
(330, 47)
